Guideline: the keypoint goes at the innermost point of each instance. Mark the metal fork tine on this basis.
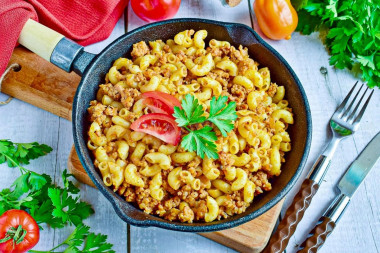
(360, 115)
(347, 110)
(352, 114)
(343, 104)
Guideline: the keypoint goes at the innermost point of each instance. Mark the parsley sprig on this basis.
(203, 140)
(17, 154)
(81, 240)
(349, 29)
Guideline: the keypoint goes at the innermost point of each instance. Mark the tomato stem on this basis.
(16, 235)
(20, 234)
(6, 238)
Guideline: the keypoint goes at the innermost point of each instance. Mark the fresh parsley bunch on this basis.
(46, 202)
(349, 29)
(35, 193)
(203, 140)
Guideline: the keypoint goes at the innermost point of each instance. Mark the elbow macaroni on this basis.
(162, 160)
(131, 176)
(155, 187)
(212, 209)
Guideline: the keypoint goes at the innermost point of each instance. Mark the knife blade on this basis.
(348, 184)
(360, 167)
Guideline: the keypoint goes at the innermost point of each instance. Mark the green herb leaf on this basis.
(97, 243)
(3, 208)
(21, 186)
(17, 154)
(82, 241)
(28, 151)
(191, 112)
(77, 237)
(42, 213)
(60, 200)
(202, 141)
(69, 184)
(67, 208)
(298, 4)
(36, 181)
(222, 114)
(307, 23)
(367, 61)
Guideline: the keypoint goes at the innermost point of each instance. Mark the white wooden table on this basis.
(357, 231)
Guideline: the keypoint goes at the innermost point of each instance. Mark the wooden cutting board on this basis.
(44, 85)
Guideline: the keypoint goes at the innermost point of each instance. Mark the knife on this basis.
(349, 183)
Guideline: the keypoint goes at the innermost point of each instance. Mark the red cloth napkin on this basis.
(84, 21)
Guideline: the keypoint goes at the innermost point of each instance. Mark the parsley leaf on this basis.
(97, 243)
(42, 213)
(201, 141)
(222, 115)
(17, 154)
(298, 4)
(82, 241)
(67, 208)
(29, 151)
(21, 186)
(36, 181)
(69, 184)
(76, 238)
(191, 113)
(307, 23)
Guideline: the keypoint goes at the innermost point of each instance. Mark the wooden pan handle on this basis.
(318, 235)
(293, 216)
(54, 47)
(39, 38)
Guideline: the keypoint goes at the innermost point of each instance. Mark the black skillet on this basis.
(71, 57)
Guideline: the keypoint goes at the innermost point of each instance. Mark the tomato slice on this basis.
(160, 102)
(159, 125)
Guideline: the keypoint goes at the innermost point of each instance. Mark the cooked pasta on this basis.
(165, 179)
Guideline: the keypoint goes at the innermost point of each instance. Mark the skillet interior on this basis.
(236, 34)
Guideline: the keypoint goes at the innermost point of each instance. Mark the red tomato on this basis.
(155, 10)
(159, 125)
(13, 225)
(160, 102)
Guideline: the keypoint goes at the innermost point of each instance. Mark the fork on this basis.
(344, 122)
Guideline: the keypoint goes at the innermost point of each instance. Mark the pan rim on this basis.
(194, 227)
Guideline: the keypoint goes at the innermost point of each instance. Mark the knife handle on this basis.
(293, 216)
(318, 235)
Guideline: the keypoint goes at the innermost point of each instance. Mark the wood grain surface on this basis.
(357, 231)
(41, 83)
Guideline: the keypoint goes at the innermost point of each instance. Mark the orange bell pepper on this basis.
(277, 18)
